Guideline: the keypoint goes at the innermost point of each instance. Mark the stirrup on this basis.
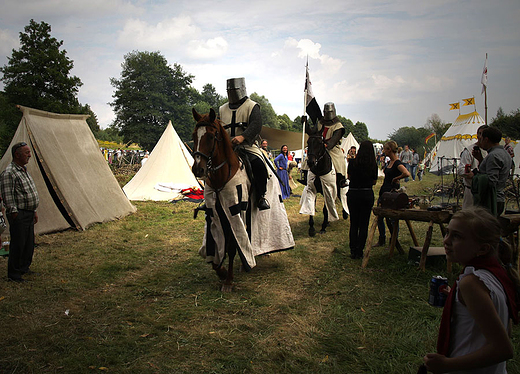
(263, 204)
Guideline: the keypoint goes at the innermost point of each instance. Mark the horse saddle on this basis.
(394, 200)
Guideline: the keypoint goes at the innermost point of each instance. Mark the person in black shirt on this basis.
(362, 174)
(394, 172)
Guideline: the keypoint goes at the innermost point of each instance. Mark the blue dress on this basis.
(281, 162)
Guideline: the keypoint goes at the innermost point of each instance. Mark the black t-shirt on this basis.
(390, 174)
(359, 177)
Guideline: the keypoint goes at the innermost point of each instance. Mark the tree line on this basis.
(149, 93)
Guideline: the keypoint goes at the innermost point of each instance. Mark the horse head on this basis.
(315, 145)
(212, 149)
(205, 138)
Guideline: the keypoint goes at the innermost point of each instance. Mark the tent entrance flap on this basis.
(52, 191)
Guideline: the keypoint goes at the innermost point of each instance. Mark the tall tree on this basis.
(360, 131)
(269, 117)
(148, 95)
(38, 76)
(284, 122)
(509, 124)
(435, 124)
(207, 99)
(347, 124)
(411, 136)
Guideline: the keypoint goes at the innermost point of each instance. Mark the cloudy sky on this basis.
(389, 63)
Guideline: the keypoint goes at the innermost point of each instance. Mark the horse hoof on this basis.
(227, 288)
(222, 273)
(312, 233)
(322, 232)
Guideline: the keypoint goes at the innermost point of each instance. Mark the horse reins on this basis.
(209, 158)
(318, 159)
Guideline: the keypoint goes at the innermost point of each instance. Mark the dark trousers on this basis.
(21, 248)
(260, 174)
(381, 226)
(360, 203)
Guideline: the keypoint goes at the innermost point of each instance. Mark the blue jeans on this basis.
(407, 166)
(381, 225)
(413, 169)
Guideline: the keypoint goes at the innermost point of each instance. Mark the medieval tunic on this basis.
(336, 153)
(241, 121)
(330, 191)
(256, 232)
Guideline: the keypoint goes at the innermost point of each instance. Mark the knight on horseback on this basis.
(243, 122)
(333, 131)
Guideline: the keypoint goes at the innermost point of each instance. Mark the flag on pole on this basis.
(311, 105)
(470, 101)
(429, 137)
(484, 77)
(454, 106)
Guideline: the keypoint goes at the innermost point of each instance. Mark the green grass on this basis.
(139, 299)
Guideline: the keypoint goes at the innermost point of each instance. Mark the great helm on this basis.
(329, 111)
(236, 89)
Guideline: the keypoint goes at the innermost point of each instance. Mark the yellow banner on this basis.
(470, 101)
(454, 106)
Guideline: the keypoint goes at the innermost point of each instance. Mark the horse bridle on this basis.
(318, 159)
(209, 158)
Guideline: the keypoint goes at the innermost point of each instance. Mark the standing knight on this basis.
(243, 122)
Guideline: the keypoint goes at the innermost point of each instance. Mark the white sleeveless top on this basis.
(466, 336)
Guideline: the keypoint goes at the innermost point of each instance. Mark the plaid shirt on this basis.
(18, 189)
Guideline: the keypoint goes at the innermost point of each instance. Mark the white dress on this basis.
(466, 336)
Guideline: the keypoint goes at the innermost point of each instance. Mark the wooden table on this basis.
(433, 217)
(510, 224)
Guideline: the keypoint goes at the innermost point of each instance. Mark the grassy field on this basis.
(134, 296)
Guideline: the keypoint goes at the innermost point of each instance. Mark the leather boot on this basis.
(381, 242)
(263, 204)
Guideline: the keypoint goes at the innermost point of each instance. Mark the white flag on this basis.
(484, 77)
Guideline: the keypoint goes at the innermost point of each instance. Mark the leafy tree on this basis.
(109, 134)
(208, 98)
(269, 117)
(347, 124)
(148, 95)
(508, 124)
(296, 124)
(436, 125)
(92, 121)
(38, 76)
(411, 136)
(209, 95)
(360, 131)
(284, 122)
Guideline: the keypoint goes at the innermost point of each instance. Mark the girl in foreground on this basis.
(473, 334)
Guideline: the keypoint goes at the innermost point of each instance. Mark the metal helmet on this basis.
(236, 89)
(329, 111)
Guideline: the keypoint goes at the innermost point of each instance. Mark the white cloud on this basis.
(209, 49)
(164, 35)
(8, 42)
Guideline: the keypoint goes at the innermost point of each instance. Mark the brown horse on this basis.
(216, 163)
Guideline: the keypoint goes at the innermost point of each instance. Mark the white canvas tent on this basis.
(74, 182)
(348, 142)
(165, 173)
(516, 159)
(462, 133)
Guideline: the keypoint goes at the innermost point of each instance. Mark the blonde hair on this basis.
(392, 146)
(485, 228)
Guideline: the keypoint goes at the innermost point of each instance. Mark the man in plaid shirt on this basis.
(20, 200)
